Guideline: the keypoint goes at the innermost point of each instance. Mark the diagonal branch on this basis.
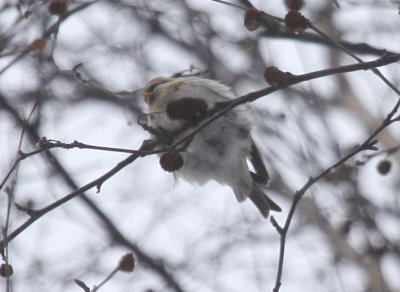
(157, 265)
(214, 114)
(148, 148)
(368, 144)
(223, 108)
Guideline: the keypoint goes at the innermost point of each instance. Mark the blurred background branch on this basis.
(345, 235)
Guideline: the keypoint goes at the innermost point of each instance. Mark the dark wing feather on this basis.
(263, 203)
(261, 174)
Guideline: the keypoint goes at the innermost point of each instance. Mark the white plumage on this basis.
(220, 150)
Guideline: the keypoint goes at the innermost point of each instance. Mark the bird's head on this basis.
(151, 86)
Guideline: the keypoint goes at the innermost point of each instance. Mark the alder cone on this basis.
(127, 263)
(6, 270)
(384, 167)
(171, 161)
(296, 22)
(252, 19)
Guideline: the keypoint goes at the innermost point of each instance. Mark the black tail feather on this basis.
(262, 202)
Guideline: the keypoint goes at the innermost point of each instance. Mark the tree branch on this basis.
(157, 265)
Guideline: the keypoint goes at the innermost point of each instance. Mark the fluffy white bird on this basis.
(219, 151)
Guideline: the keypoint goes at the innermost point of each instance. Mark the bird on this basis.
(222, 149)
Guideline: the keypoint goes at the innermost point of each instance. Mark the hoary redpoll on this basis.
(219, 151)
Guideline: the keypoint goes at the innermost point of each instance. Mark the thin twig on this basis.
(10, 190)
(368, 144)
(97, 287)
(36, 214)
(250, 97)
(53, 29)
(47, 144)
(330, 40)
(116, 236)
(347, 51)
(151, 148)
